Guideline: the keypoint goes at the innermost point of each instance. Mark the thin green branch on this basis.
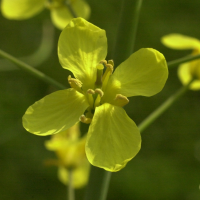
(105, 185)
(40, 55)
(70, 189)
(98, 184)
(127, 30)
(32, 70)
(161, 109)
(71, 10)
(182, 60)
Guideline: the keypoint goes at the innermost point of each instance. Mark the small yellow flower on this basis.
(189, 70)
(70, 150)
(98, 95)
(60, 15)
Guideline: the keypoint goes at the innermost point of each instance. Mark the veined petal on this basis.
(21, 9)
(143, 73)
(61, 16)
(178, 41)
(113, 138)
(55, 112)
(80, 47)
(185, 76)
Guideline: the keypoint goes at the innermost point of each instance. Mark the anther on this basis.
(111, 62)
(120, 100)
(99, 91)
(75, 83)
(90, 91)
(104, 62)
(106, 76)
(84, 119)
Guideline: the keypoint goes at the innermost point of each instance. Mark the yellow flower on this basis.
(60, 15)
(98, 95)
(189, 70)
(70, 150)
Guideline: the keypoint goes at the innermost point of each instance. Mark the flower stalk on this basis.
(127, 30)
(70, 189)
(161, 109)
(32, 70)
(98, 184)
(182, 60)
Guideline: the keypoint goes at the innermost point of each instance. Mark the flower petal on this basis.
(80, 47)
(185, 76)
(79, 175)
(113, 138)
(178, 41)
(61, 16)
(143, 73)
(21, 9)
(55, 112)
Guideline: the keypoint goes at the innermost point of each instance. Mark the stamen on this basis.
(108, 72)
(75, 83)
(90, 98)
(84, 119)
(120, 100)
(99, 91)
(111, 62)
(97, 101)
(90, 91)
(100, 68)
(99, 95)
(104, 62)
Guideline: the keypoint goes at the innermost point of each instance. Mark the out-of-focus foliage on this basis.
(168, 165)
(60, 14)
(189, 70)
(71, 158)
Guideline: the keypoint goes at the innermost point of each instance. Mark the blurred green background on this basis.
(168, 165)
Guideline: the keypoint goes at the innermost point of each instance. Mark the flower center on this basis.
(94, 96)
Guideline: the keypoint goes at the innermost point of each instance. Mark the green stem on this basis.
(32, 70)
(40, 55)
(70, 191)
(98, 184)
(71, 10)
(127, 30)
(161, 109)
(182, 60)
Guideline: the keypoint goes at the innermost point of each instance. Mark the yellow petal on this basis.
(21, 9)
(185, 76)
(63, 139)
(79, 175)
(61, 16)
(80, 47)
(113, 138)
(178, 41)
(143, 73)
(55, 112)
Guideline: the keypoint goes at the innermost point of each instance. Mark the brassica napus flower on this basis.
(189, 70)
(60, 15)
(70, 150)
(98, 95)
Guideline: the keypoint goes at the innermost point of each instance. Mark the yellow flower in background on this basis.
(189, 70)
(98, 95)
(70, 150)
(60, 15)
